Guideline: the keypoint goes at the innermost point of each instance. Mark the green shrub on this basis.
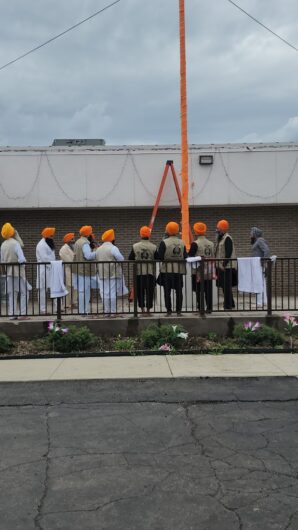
(261, 336)
(5, 343)
(124, 343)
(72, 339)
(155, 336)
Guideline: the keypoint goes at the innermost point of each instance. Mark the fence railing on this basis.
(136, 288)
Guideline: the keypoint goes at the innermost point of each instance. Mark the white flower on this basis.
(174, 328)
(182, 335)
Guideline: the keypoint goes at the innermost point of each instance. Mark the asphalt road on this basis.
(202, 454)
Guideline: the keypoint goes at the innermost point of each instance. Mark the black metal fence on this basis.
(137, 288)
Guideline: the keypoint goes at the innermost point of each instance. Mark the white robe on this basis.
(44, 254)
(67, 254)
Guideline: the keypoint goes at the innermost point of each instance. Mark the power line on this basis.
(59, 35)
(263, 26)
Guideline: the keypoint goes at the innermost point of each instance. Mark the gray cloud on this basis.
(117, 77)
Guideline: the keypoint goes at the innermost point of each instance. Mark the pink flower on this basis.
(165, 347)
(250, 326)
(51, 326)
(290, 321)
(64, 330)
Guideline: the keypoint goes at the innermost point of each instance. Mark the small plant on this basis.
(253, 334)
(124, 343)
(212, 336)
(291, 323)
(155, 336)
(68, 340)
(6, 343)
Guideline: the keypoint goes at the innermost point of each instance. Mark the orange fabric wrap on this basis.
(184, 140)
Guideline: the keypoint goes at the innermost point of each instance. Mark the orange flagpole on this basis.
(183, 117)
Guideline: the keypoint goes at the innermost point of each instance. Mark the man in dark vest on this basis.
(173, 253)
(226, 256)
(145, 251)
(205, 249)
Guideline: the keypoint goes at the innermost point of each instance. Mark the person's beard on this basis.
(50, 243)
(219, 236)
(252, 240)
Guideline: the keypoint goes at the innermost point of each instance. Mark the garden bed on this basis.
(165, 339)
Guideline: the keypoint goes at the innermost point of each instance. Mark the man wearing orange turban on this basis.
(16, 283)
(202, 248)
(66, 253)
(45, 253)
(145, 251)
(226, 265)
(173, 253)
(84, 269)
(110, 273)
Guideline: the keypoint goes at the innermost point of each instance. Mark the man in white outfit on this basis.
(83, 269)
(45, 253)
(16, 283)
(110, 275)
(66, 253)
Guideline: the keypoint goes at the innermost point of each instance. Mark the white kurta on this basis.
(112, 288)
(66, 254)
(44, 254)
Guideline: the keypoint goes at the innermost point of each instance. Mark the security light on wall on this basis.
(206, 160)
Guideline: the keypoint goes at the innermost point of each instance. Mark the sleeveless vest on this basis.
(205, 250)
(220, 252)
(174, 254)
(10, 256)
(107, 270)
(144, 251)
(85, 268)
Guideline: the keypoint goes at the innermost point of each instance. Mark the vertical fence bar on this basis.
(135, 298)
(202, 285)
(269, 287)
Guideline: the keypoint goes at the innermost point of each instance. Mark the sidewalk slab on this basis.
(34, 370)
(246, 365)
(286, 362)
(149, 367)
(112, 368)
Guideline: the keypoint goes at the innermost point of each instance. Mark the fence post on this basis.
(202, 285)
(269, 286)
(59, 317)
(135, 299)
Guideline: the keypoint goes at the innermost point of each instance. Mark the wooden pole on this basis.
(183, 117)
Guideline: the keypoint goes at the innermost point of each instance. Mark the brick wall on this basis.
(279, 224)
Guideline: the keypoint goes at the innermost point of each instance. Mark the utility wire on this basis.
(59, 35)
(263, 26)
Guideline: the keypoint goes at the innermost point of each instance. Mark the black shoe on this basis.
(169, 313)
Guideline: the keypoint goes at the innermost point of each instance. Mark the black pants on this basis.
(145, 290)
(226, 284)
(196, 287)
(173, 281)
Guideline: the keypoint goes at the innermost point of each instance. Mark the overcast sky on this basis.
(117, 76)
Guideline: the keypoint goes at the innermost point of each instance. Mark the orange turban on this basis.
(223, 225)
(68, 237)
(48, 232)
(145, 231)
(7, 231)
(86, 231)
(200, 229)
(108, 235)
(172, 228)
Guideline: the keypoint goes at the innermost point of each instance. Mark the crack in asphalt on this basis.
(149, 401)
(39, 514)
